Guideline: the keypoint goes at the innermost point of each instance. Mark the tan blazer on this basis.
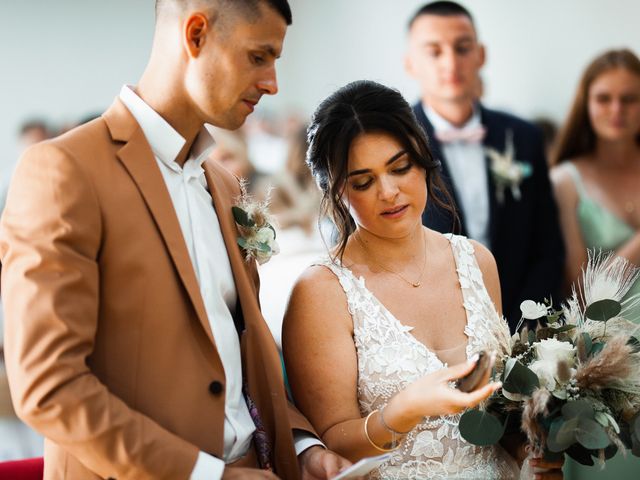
(109, 351)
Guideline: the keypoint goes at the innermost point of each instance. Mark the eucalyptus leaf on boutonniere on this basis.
(506, 170)
(257, 235)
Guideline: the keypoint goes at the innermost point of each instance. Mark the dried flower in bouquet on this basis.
(573, 382)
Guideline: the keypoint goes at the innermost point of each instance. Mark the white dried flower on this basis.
(553, 350)
(533, 310)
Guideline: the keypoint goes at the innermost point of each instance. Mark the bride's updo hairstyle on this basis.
(357, 108)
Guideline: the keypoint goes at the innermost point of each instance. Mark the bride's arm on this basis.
(321, 362)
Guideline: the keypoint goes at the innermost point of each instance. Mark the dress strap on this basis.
(577, 178)
(347, 280)
(485, 328)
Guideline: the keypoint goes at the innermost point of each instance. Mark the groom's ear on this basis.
(195, 29)
(408, 65)
(482, 55)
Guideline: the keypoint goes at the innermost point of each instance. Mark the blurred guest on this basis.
(231, 152)
(295, 202)
(267, 148)
(597, 164)
(32, 132)
(493, 163)
(549, 130)
(295, 198)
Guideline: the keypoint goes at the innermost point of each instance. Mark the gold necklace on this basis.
(415, 284)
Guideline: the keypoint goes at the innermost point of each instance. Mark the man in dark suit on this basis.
(493, 163)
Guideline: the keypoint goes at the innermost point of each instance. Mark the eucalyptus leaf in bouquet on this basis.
(572, 382)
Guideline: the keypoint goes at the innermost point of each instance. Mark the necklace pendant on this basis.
(415, 285)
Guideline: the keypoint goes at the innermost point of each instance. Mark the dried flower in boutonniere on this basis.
(507, 171)
(257, 235)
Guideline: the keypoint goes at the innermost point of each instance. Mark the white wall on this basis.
(64, 59)
(536, 48)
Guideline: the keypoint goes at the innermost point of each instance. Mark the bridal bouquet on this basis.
(572, 383)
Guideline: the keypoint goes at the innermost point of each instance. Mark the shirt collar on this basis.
(441, 124)
(164, 140)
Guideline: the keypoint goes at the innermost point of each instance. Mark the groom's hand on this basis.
(553, 469)
(318, 463)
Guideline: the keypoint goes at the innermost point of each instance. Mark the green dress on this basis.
(602, 229)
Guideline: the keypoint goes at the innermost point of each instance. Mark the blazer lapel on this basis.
(222, 202)
(436, 151)
(494, 138)
(138, 159)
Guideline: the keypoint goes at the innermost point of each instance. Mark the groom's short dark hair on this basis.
(442, 9)
(251, 8)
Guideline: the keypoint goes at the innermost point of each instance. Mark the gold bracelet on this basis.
(394, 445)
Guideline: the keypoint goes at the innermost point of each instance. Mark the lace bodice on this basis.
(390, 358)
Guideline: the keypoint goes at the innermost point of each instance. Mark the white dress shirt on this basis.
(193, 204)
(466, 163)
(201, 230)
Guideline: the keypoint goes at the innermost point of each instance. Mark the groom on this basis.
(134, 339)
(510, 211)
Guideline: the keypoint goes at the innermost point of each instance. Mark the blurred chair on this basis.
(28, 469)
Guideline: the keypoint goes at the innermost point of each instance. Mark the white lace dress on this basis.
(390, 358)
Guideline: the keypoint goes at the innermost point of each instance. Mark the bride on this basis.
(371, 328)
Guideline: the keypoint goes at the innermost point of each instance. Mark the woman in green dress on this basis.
(596, 179)
(596, 174)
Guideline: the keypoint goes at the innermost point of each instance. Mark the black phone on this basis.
(472, 380)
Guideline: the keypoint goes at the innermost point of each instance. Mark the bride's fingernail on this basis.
(474, 359)
(497, 385)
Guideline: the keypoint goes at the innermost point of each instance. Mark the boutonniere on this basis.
(508, 173)
(257, 235)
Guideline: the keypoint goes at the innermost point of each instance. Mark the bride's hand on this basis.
(432, 395)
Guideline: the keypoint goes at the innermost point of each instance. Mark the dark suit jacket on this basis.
(525, 234)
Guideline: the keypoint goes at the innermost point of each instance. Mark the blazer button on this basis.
(215, 387)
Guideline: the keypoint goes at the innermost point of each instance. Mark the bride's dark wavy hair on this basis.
(364, 107)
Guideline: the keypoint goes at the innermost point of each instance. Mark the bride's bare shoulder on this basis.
(316, 286)
(314, 276)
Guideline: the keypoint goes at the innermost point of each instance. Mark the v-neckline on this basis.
(406, 329)
(586, 197)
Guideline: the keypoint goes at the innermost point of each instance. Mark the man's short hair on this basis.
(251, 8)
(441, 9)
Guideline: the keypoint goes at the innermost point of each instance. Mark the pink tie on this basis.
(463, 135)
